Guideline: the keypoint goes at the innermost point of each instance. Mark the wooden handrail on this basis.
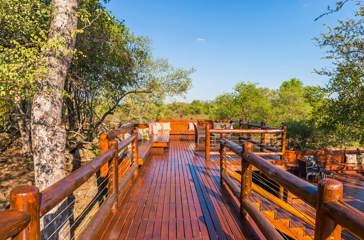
(294, 184)
(126, 142)
(28, 205)
(279, 202)
(127, 128)
(12, 222)
(236, 148)
(246, 131)
(258, 125)
(332, 212)
(261, 145)
(347, 216)
(285, 206)
(246, 206)
(264, 225)
(54, 194)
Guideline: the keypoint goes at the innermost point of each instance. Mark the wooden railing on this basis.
(12, 222)
(28, 205)
(332, 213)
(265, 148)
(333, 160)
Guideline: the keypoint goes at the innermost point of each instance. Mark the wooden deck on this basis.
(177, 196)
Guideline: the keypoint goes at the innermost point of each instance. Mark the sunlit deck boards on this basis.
(176, 196)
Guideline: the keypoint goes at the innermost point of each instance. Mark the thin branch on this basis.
(339, 5)
(92, 21)
(117, 102)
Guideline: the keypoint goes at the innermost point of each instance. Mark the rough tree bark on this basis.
(48, 131)
(23, 120)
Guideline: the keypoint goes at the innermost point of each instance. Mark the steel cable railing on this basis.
(325, 200)
(102, 192)
(265, 182)
(273, 188)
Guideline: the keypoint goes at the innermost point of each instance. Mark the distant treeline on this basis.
(304, 109)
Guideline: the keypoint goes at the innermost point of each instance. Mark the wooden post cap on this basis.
(248, 147)
(103, 142)
(26, 198)
(113, 144)
(330, 189)
(103, 136)
(24, 192)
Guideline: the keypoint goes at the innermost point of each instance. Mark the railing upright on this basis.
(207, 142)
(284, 141)
(27, 199)
(246, 177)
(103, 147)
(222, 162)
(329, 190)
(135, 151)
(113, 144)
(262, 137)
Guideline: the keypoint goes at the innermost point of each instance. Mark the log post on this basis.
(249, 135)
(135, 151)
(329, 190)
(262, 137)
(284, 141)
(113, 145)
(26, 199)
(241, 126)
(207, 142)
(246, 176)
(222, 159)
(103, 147)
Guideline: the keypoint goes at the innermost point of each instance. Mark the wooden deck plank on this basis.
(126, 205)
(176, 196)
(211, 178)
(137, 202)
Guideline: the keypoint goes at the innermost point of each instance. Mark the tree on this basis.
(344, 108)
(48, 131)
(253, 103)
(290, 103)
(224, 107)
(23, 36)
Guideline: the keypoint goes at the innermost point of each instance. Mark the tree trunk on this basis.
(23, 125)
(48, 131)
(23, 119)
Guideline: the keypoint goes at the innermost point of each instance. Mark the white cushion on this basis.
(351, 158)
(361, 159)
(165, 126)
(156, 127)
(190, 126)
(217, 125)
(143, 133)
(126, 135)
(140, 133)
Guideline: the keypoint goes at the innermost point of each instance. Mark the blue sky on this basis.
(229, 41)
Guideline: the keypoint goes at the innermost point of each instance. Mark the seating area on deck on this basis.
(177, 195)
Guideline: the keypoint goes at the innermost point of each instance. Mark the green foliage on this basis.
(224, 107)
(253, 103)
(115, 73)
(343, 111)
(290, 103)
(23, 38)
(109, 68)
